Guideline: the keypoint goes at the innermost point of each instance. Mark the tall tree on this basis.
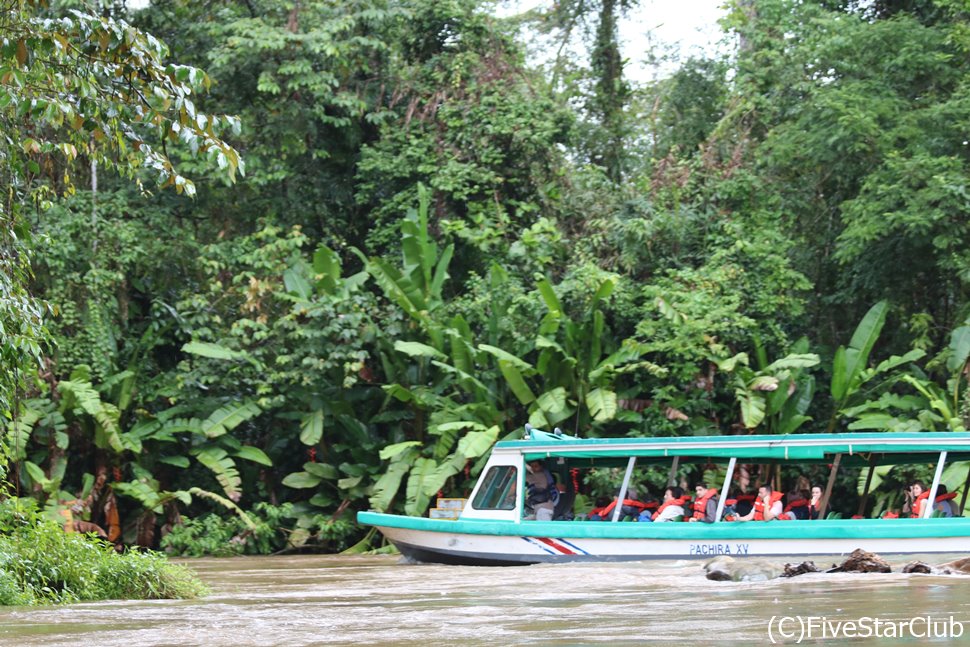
(75, 90)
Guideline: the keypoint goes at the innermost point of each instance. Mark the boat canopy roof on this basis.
(889, 448)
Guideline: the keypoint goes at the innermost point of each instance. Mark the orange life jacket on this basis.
(681, 501)
(759, 505)
(700, 505)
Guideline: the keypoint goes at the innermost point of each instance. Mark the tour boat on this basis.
(492, 530)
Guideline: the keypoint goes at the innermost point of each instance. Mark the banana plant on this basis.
(930, 406)
(778, 395)
(573, 376)
(41, 435)
(852, 378)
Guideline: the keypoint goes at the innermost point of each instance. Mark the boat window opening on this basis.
(498, 489)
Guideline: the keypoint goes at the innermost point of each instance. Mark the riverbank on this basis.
(41, 564)
(332, 600)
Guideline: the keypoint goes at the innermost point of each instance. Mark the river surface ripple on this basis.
(333, 600)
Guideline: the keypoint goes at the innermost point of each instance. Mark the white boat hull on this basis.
(475, 549)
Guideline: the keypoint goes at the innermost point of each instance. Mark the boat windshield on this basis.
(498, 489)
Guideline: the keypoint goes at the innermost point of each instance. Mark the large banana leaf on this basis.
(301, 480)
(326, 264)
(417, 349)
(850, 362)
(389, 483)
(752, 409)
(476, 443)
(20, 431)
(254, 454)
(602, 404)
(516, 382)
(228, 417)
(417, 498)
(224, 469)
(311, 427)
(960, 349)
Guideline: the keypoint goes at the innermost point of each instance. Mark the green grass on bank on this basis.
(42, 564)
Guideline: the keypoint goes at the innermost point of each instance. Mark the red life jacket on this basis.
(759, 505)
(918, 504)
(740, 497)
(633, 503)
(797, 503)
(700, 505)
(681, 501)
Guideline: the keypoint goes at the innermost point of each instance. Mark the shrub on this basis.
(40, 563)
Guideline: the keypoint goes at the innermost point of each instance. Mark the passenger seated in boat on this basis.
(541, 492)
(796, 506)
(815, 502)
(911, 494)
(704, 507)
(944, 505)
(743, 502)
(945, 502)
(672, 507)
(600, 505)
(632, 506)
(767, 506)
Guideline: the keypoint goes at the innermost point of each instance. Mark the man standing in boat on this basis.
(767, 506)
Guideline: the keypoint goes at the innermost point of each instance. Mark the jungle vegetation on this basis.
(267, 263)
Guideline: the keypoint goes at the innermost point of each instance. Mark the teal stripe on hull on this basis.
(828, 529)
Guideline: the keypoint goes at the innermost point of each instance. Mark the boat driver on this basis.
(541, 491)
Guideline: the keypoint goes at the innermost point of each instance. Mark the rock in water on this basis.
(800, 569)
(861, 561)
(958, 566)
(723, 568)
(755, 571)
(917, 567)
(719, 569)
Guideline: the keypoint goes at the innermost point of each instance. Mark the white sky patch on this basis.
(654, 35)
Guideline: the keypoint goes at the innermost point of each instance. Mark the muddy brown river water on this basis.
(332, 600)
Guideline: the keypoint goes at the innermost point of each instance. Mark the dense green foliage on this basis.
(437, 241)
(40, 563)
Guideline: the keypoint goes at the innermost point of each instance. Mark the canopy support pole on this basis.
(966, 490)
(626, 483)
(865, 490)
(828, 487)
(672, 477)
(725, 489)
(931, 501)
